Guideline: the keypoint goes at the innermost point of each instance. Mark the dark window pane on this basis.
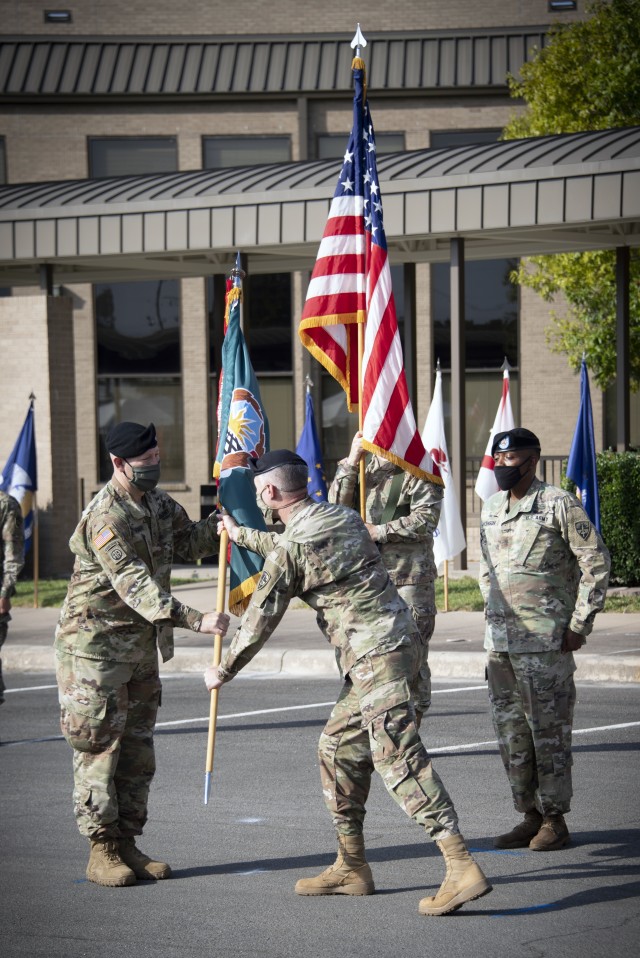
(3, 161)
(491, 306)
(219, 152)
(266, 322)
(439, 139)
(123, 156)
(333, 145)
(153, 399)
(138, 327)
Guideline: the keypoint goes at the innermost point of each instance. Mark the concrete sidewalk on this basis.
(297, 647)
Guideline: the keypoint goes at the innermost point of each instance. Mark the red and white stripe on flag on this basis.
(486, 484)
(351, 283)
(335, 302)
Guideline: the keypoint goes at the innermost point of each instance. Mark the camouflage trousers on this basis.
(422, 602)
(107, 714)
(4, 626)
(532, 699)
(372, 726)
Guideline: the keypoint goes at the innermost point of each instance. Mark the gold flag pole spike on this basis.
(217, 655)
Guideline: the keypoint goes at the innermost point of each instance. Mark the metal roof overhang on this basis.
(523, 197)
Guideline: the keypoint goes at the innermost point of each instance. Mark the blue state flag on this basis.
(581, 467)
(20, 476)
(309, 448)
(243, 434)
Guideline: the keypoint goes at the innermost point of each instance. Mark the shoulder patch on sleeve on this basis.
(264, 580)
(583, 529)
(105, 535)
(116, 552)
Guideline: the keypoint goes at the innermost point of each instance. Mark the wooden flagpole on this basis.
(36, 550)
(356, 44)
(217, 656)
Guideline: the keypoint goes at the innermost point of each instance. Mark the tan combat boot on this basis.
(106, 866)
(553, 834)
(521, 835)
(143, 867)
(463, 881)
(349, 874)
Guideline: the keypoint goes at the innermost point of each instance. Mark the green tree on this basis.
(587, 77)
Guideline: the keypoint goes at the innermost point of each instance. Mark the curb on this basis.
(321, 663)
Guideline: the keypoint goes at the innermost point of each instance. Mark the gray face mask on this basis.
(145, 478)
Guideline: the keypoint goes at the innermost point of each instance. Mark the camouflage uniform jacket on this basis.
(119, 604)
(406, 541)
(544, 569)
(326, 558)
(12, 558)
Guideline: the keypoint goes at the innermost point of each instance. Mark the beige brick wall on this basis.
(218, 17)
(549, 389)
(36, 344)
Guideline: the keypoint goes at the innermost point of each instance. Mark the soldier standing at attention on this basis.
(117, 613)
(326, 557)
(543, 574)
(11, 562)
(402, 514)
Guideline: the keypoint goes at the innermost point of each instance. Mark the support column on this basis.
(623, 321)
(458, 398)
(409, 276)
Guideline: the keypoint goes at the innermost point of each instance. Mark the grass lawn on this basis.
(464, 595)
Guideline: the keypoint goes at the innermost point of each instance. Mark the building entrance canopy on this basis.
(523, 197)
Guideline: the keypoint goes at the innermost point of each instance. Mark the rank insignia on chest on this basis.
(264, 579)
(583, 529)
(105, 535)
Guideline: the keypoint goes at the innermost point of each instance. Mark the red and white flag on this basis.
(448, 539)
(351, 284)
(486, 484)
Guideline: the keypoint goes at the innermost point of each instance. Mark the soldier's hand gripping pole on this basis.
(217, 655)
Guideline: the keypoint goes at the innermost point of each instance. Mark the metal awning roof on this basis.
(522, 197)
(37, 68)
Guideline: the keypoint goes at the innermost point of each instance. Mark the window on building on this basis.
(439, 139)
(219, 152)
(3, 162)
(333, 145)
(138, 325)
(129, 155)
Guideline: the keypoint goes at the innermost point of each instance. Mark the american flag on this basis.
(351, 284)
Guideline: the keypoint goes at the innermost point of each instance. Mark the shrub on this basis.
(619, 487)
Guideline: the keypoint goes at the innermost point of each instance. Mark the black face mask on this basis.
(508, 476)
(145, 478)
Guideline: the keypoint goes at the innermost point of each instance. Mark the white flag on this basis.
(448, 539)
(486, 484)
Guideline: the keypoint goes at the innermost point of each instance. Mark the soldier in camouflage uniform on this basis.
(117, 613)
(402, 514)
(12, 560)
(326, 557)
(543, 575)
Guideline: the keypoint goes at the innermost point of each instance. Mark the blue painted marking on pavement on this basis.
(497, 851)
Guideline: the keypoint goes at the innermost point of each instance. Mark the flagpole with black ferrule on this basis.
(360, 82)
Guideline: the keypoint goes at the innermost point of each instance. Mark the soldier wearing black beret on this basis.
(118, 613)
(543, 574)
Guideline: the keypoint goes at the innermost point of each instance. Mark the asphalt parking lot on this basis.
(236, 860)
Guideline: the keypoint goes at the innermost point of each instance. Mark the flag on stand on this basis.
(309, 448)
(486, 484)
(20, 476)
(243, 434)
(581, 467)
(351, 284)
(448, 539)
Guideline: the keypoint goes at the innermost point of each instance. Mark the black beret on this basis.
(130, 439)
(518, 438)
(277, 457)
